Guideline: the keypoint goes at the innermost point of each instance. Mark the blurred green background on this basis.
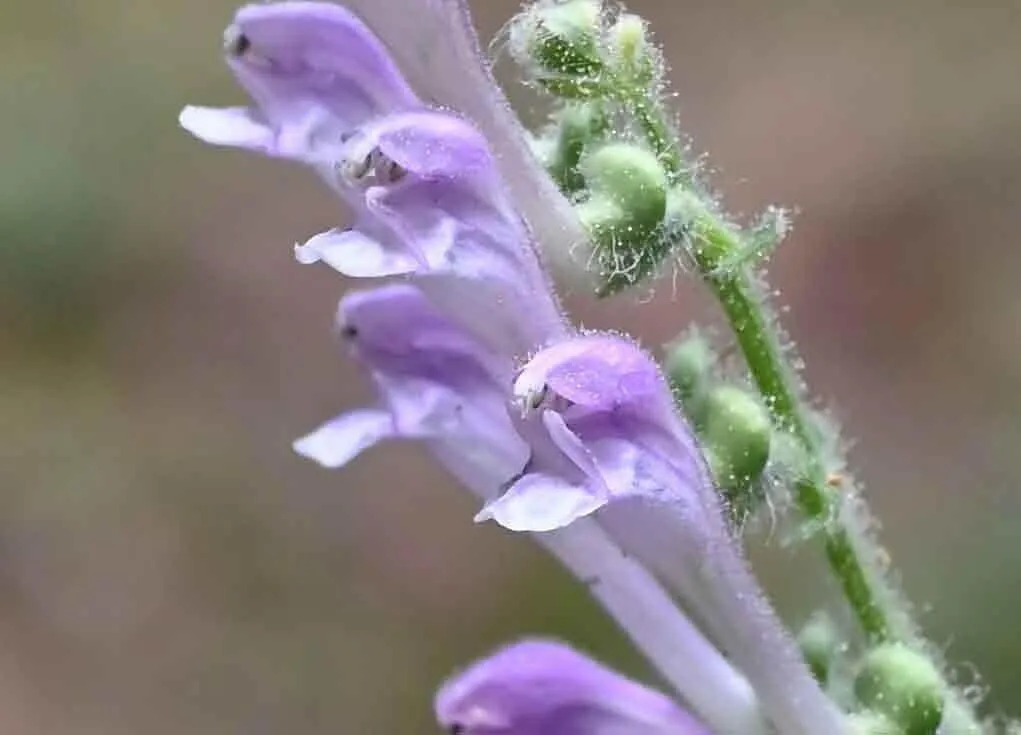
(167, 564)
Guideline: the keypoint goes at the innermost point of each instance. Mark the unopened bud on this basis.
(904, 685)
(689, 364)
(631, 51)
(820, 644)
(604, 220)
(574, 129)
(632, 178)
(560, 44)
(738, 431)
(624, 212)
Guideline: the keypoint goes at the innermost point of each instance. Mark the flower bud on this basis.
(560, 44)
(896, 681)
(688, 363)
(604, 219)
(820, 643)
(631, 51)
(737, 430)
(574, 129)
(631, 177)
(624, 212)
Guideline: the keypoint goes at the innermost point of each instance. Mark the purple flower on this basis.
(436, 384)
(451, 201)
(432, 205)
(607, 408)
(425, 190)
(316, 74)
(435, 45)
(546, 688)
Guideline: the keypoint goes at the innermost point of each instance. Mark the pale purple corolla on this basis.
(438, 384)
(315, 73)
(435, 45)
(599, 400)
(582, 447)
(424, 188)
(434, 207)
(606, 406)
(339, 74)
(435, 383)
(539, 687)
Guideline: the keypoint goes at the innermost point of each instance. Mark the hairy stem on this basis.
(753, 328)
(848, 548)
(764, 357)
(657, 132)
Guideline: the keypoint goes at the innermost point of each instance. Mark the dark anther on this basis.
(456, 729)
(235, 42)
(393, 172)
(349, 331)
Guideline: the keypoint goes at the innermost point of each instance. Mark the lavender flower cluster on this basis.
(570, 436)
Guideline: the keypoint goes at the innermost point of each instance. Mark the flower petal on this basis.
(316, 74)
(430, 144)
(337, 442)
(439, 52)
(294, 55)
(540, 502)
(354, 253)
(230, 126)
(569, 443)
(594, 371)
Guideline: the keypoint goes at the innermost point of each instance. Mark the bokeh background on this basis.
(167, 565)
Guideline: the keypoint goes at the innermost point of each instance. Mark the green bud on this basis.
(574, 129)
(820, 643)
(689, 364)
(872, 723)
(604, 220)
(624, 212)
(630, 50)
(631, 177)
(560, 43)
(738, 431)
(903, 684)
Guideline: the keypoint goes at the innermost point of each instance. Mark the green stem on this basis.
(748, 318)
(658, 133)
(851, 553)
(763, 355)
(865, 587)
(874, 603)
